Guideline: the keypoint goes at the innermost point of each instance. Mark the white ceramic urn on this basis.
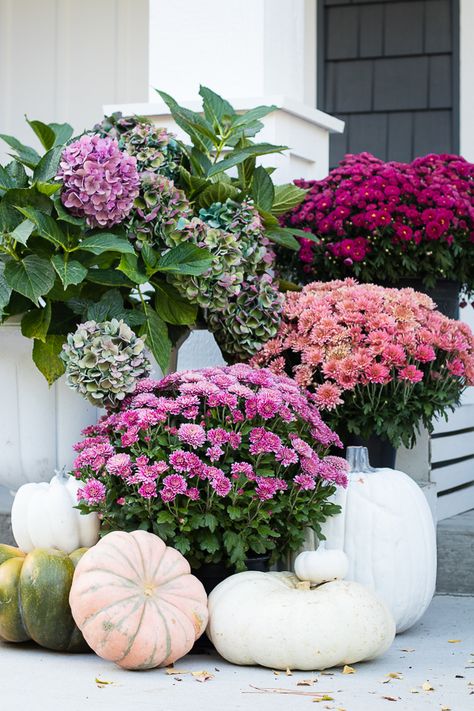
(38, 424)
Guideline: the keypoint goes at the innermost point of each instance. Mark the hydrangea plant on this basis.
(104, 361)
(221, 463)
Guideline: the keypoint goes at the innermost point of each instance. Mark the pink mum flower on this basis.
(93, 492)
(221, 485)
(119, 465)
(305, 482)
(175, 483)
(194, 435)
(147, 490)
(411, 373)
(328, 396)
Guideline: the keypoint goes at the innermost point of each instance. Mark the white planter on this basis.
(38, 424)
(387, 531)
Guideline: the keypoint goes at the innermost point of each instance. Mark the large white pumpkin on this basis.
(43, 516)
(277, 621)
(387, 531)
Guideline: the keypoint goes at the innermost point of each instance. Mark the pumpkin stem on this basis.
(358, 459)
(61, 475)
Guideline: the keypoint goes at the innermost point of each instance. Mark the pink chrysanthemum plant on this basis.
(222, 463)
(379, 361)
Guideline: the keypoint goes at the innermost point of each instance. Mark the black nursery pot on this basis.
(445, 294)
(381, 452)
(210, 575)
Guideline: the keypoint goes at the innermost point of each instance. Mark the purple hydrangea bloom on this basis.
(100, 182)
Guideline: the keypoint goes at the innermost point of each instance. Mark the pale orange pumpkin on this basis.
(135, 601)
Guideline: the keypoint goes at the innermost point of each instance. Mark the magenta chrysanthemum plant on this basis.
(382, 222)
(221, 463)
(100, 182)
(379, 361)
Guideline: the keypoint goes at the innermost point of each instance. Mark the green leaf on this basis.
(5, 290)
(28, 198)
(197, 128)
(44, 132)
(70, 272)
(108, 277)
(157, 339)
(253, 115)
(217, 192)
(46, 226)
(186, 258)
(48, 188)
(46, 357)
(209, 542)
(106, 242)
(239, 155)
(263, 191)
(215, 107)
(62, 132)
(172, 307)
(33, 276)
(48, 166)
(283, 237)
(64, 215)
(129, 266)
(35, 323)
(26, 154)
(6, 181)
(23, 231)
(234, 513)
(18, 174)
(286, 197)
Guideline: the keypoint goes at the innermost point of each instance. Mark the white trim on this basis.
(289, 106)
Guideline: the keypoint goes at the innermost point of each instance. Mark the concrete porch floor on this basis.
(47, 681)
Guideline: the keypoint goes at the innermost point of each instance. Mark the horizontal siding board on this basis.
(455, 503)
(460, 419)
(453, 475)
(443, 449)
(404, 28)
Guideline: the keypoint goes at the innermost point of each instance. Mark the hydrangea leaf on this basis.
(70, 272)
(263, 191)
(23, 231)
(48, 165)
(46, 357)
(46, 226)
(286, 197)
(5, 290)
(35, 323)
(25, 154)
(32, 276)
(185, 259)
(106, 242)
(44, 132)
(172, 307)
(157, 339)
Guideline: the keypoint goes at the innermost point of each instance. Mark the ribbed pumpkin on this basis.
(136, 602)
(34, 592)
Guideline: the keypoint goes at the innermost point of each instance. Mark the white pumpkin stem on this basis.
(61, 475)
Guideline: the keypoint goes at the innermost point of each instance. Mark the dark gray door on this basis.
(390, 69)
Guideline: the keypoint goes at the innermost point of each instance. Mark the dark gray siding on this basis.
(390, 69)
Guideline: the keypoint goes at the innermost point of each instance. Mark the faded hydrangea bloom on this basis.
(104, 361)
(100, 182)
(250, 319)
(154, 148)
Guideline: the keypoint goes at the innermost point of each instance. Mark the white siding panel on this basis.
(61, 60)
(453, 475)
(455, 503)
(452, 447)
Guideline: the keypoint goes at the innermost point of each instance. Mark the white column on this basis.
(467, 78)
(238, 47)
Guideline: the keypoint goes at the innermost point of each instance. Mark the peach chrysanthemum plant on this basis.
(379, 361)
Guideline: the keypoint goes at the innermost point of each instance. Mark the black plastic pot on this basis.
(210, 575)
(445, 294)
(381, 452)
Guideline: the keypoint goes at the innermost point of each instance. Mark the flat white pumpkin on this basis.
(386, 529)
(275, 620)
(43, 516)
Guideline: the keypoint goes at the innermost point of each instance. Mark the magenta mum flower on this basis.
(100, 182)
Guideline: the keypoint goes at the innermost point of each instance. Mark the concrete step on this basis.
(456, 555)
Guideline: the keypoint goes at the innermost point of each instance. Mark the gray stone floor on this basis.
(34, 678)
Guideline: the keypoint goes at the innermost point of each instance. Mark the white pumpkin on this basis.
(387, 531)
(277, 621)
(321, 565)
(43, 516)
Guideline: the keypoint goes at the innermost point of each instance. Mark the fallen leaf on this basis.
(454, 641)
(445, 708)
(470, 683)
(426, 686)
(171, 671)
(324, 698)
(348, 670)
(101, 682)
(288, 672)
(277, 673)
(202, 676)
(306, 682)
(408, 649)
(391, 698)
(394, 675)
